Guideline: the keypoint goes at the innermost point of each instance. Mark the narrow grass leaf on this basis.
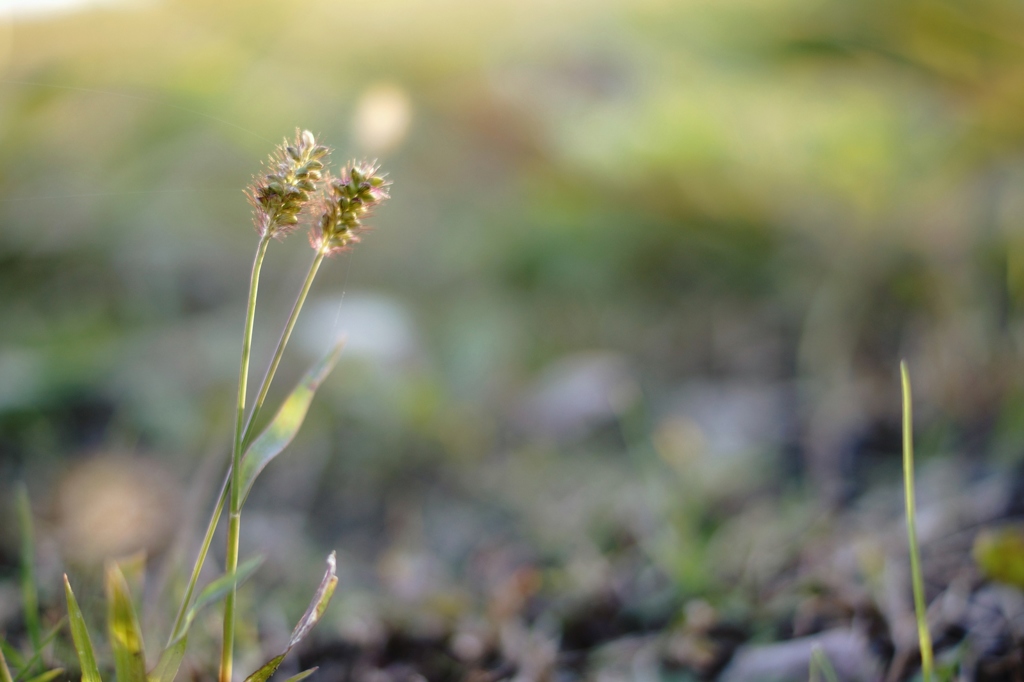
(282, 429)
(170, 660)
(319, 604)
(12, 655)
(216, 591)
(821, 666)
(125, 634)
(37, 656)
(267, 669)
(48, 675)
(80, 635)
(303, 675)
(29, 594)
(313, 614)
(923, 635)
(5, 672)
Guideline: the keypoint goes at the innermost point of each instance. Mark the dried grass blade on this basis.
(313, 614)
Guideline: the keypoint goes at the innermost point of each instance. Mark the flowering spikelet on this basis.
(348, 199)
(284, 189)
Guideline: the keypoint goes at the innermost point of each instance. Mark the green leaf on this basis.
(313, 614)
(48, 675)
(170, 660)
(5, 672)
(282, 429)
(80, 635)
(12, 655)
(125, 634)
(37, 656)
(267, 669)
(303, 675)
(216, 591)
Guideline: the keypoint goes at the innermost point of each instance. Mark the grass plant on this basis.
(923, 635)
(294, 186)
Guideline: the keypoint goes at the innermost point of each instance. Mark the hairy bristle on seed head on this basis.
(347, 200)
(287, 185)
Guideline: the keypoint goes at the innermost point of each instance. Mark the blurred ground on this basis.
(621, 392)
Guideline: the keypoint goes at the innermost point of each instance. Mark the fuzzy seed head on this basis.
(287, 185)
(347, 200)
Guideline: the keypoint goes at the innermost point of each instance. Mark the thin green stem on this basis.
(282, 342)
(247, 434)
(923, 636)
(186, 601)
(234, 520)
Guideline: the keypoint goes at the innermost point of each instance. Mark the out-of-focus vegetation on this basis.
(634, 314)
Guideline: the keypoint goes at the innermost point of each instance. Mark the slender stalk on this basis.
(282, 342)
(923, 636)
(179, 621)
(247, 434)
(234, 519)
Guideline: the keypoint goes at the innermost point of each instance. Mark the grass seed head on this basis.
(348, 199)
(287, 184)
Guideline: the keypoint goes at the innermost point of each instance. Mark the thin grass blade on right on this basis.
(309, 619)
(923, 635)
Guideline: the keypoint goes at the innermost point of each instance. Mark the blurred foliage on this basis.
(725, 220)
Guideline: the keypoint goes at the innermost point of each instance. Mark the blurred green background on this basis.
(648, 265)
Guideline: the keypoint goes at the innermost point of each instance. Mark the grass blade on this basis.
(37, 656)
(216, 591)
(11, 654)
(282, 429)
(5, 672)
(303, 675)
(170, 660)
(319, 604)
(125, 634)
(29, 594)
(923, 636)
(80, 635)
(48, 675)
(267, 669)
(313, 614)
(821, 666)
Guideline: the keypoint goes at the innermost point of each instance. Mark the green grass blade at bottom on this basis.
(123, 624)
(80, 636)
(48, 675)
(37, 656)
(170, 660)
(923, 635)
(5, 672)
